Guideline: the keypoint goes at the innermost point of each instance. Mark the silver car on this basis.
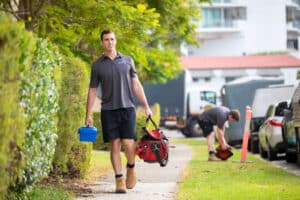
(270, 132)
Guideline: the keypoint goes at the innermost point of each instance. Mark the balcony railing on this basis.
(218, 24)
(226, 1)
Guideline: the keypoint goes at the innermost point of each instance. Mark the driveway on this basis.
(154, 182)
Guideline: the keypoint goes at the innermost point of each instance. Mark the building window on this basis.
(292, 44)
(230, 78)
(211, 17)
(195, 79)
(207, 79)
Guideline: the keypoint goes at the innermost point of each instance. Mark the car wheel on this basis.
(262, 152)
(249, 147)
(185, 132)
(290, 157)
(254, 145)
(298, 147)
(272, 155)
(194, 128)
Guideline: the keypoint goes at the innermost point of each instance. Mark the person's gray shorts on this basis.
(119, 123)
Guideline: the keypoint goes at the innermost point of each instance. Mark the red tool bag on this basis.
(223, 154)
(153, 146)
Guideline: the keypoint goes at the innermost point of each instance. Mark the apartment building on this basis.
(231, 31)
(243, 27)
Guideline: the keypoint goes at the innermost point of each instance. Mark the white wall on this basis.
(265, 27)
(290, 76)
(230, 44)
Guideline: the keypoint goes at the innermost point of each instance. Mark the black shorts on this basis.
(118, 123)
(206, 126)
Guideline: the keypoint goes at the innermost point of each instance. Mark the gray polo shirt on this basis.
(114, 77)
(217, 116)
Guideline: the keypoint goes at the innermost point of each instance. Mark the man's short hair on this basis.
(235, 114)
(104, 32)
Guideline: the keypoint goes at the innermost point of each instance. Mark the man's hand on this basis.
(225, 146)
(148, 112)
(88, 121)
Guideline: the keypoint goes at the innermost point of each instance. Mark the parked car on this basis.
(270, 132)
(262, 99)
(296, 117)
(288, 135)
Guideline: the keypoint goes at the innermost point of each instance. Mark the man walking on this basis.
(117, 76)
(216, 116)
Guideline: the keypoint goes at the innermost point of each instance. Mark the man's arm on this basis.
(140, 94)
(89, 106)
(221, 138)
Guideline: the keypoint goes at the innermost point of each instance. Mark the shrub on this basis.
(71, 156)
(15, 46)
(39, 98)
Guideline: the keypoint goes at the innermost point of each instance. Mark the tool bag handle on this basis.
(149, 118)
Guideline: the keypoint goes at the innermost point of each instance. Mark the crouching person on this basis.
(216, 116)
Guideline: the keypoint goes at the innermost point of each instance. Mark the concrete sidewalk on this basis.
(154, 182)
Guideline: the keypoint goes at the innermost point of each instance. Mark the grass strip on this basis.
(234, 180)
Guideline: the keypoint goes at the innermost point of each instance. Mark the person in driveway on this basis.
(216, 116)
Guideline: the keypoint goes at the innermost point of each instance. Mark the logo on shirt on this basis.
(121, 62)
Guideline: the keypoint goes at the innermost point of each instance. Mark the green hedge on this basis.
(71, 156)
(140, 122)
(39, 97)
(15, 46)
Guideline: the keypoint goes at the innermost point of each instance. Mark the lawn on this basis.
(232, 180)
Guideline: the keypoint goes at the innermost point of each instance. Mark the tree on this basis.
(151, 31)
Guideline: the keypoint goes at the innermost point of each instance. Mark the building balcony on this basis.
(224, 4)
(293, 28)
(215, 28)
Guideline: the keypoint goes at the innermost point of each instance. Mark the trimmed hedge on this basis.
(15, 46)
(140, 122)
(39, 98)
(71, 156)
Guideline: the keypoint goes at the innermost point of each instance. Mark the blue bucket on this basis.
(87, 133)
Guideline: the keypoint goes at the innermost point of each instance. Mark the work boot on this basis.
(213, 157)
(120, 185)
(130, 178)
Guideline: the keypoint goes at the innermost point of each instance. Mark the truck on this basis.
(238, 94)
(181, 102)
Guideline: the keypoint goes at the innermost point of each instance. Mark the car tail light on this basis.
(274, 122)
